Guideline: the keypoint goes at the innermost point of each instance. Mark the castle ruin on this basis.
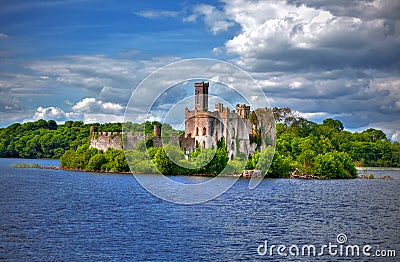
(203, 128)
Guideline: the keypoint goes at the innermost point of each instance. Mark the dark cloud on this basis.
(323, 58)
(384, 9)
(11, 108)
(304, 35)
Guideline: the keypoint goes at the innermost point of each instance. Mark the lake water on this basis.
(62, 215)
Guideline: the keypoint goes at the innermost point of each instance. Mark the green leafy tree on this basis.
(68, 159)
(335, 165)
(374, 135)
(218, 162)
(334, 124)
(162, 162)
(96, 162)
(280, 166)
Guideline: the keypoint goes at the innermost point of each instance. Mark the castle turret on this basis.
(201, 96)
(243, 111)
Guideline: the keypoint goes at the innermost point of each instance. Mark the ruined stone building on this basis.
(113, 140)
(203, 128)
(105, 140)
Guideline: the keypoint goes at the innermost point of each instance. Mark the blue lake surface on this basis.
(62, 215)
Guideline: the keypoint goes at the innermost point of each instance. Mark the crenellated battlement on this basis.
(105, 140)
(106, 133)
(117, 140)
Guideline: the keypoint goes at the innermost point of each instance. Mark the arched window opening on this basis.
(204, 131)
(204, 144)
(197, 144)
(197, 131)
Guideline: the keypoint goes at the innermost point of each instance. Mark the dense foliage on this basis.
(46, 139)
(42, 139)
(166, 160)
(327, 149)
(91, 159)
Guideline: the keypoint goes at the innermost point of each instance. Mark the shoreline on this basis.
(131, 173)
(294, 175)
(377, 168)
(301, 177)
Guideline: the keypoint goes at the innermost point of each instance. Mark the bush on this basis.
(280, 166)
(335, 165)
(67, 159)
(96, 162)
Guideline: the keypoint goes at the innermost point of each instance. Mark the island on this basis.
(232, 142)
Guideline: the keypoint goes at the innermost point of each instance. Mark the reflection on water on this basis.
(60, 215)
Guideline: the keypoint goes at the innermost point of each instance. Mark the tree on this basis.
(52, 125)
(280, 166)
(252, 161)
(374, 135)
(67, 159)
(96, 162)
(120, 164)
(306, 160)
(395, 147)
(162, 162)
(218, 162)
(335, 165)
(287, 118)
(334, 124)
(253, 119)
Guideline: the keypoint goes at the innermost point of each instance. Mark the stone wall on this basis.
(113, 140)
(132, 139)
(105, 140)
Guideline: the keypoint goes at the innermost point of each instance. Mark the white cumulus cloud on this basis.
(89, 110)
(91, 105)
(53, 113)
(216, 20)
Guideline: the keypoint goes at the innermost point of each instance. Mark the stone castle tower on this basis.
(201, 97)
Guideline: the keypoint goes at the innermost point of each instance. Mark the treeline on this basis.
(301, 141)
(46, 139)
(42, 139)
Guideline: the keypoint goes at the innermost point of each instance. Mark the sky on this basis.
(82, 59)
